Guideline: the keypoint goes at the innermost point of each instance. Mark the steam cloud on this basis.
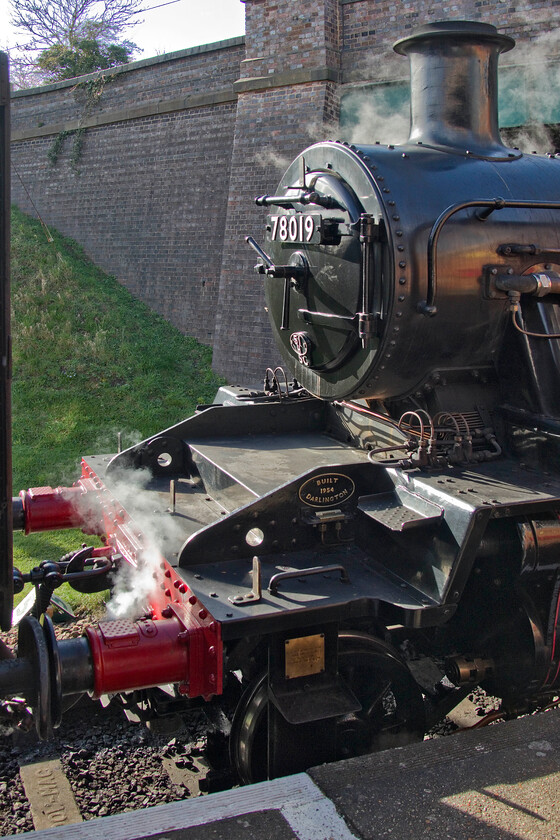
(535, 70)
(376, 123)
(132, 587)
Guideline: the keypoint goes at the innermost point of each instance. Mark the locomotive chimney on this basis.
(454, 86)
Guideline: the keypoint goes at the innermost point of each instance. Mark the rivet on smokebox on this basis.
(183, 637)
(202, 614)
(192, 599)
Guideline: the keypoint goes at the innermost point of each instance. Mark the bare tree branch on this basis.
(51, 22)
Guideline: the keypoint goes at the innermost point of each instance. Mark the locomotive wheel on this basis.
(248, 738)
(392, 709)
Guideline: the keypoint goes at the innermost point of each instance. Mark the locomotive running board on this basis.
(400, 510)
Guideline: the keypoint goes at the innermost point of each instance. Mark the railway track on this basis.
(97, 764)
(100, 764)
(495, 782)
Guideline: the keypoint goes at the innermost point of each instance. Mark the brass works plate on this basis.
(327, 490)
(305, 656)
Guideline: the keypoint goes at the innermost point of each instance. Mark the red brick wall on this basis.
(283, 39)
(290, 34)
(147, 198)
(370, 27)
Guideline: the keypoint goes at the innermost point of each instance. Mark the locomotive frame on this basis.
(342, 557)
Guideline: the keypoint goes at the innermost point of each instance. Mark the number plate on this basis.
(296, 227)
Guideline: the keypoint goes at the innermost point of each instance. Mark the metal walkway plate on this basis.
(400, 509)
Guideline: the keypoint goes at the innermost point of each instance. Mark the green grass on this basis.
(89, 361)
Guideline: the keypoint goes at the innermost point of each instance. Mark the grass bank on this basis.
(89, 361)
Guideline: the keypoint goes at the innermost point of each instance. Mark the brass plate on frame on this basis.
(305, 656)
(327, 490)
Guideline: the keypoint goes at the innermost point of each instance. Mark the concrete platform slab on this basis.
(283, 809)
(499, 782)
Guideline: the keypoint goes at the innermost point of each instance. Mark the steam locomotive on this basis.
(340, 557)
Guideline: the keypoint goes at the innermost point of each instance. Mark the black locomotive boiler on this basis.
(341, 556)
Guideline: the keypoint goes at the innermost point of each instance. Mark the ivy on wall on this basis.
(87, 94)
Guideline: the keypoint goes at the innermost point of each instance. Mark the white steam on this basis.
(108, 440)
(376, 123)
(537, 139)
(134, 587)
(270, 158)
(531, 73)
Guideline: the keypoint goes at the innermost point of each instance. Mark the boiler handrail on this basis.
(428, 307)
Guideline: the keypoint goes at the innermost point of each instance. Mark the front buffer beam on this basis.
(112, 657)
